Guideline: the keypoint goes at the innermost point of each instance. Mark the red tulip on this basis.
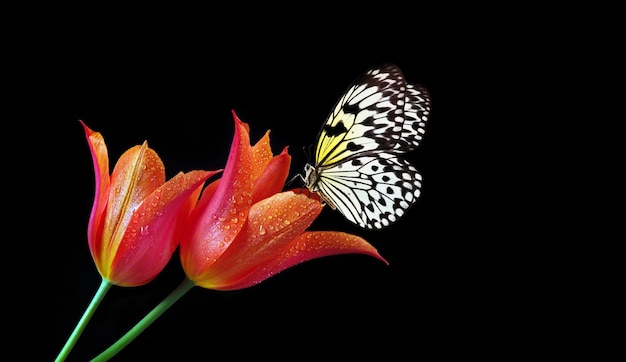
(244, 230)
(134, 214)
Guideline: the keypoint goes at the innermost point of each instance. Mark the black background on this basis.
(447, 288)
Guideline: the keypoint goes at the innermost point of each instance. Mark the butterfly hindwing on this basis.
(358, 169)
(372, 191)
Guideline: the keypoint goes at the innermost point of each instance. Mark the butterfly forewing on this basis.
(368, 117)
(416, 112)
(358, 169)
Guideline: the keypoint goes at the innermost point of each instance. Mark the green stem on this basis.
(115, 348)
(105, 285)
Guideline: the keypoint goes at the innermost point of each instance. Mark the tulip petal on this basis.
(272, 179)
(138, 172)
(308, 246)
(261, 155)
(272, 223)
(100, 158)
(216, 222)
(148, 244)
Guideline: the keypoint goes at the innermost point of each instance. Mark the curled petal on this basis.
(310, 245)
(100, 158)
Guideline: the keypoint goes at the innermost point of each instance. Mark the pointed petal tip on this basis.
(88, 130)
(239, 122)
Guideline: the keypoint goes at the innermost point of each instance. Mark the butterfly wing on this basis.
(357, 167)
(416, 112)
(367, 118)
(371, 191)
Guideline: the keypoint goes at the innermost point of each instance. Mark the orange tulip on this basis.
(132, 222)
(243, 230)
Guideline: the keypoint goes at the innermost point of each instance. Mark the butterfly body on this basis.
(358, 167)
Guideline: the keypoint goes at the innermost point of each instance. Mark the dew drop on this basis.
(234, 220)
(143, 231)
(261, 230)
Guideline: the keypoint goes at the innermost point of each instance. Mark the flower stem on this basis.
(105, 285)
(115, 348)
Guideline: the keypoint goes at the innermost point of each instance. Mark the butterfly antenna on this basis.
(307, 153)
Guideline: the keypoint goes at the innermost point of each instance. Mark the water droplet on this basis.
(234, 220)
(227, 227)
(143, 231)
(261, 230)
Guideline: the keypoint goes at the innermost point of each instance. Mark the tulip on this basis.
(132, 221)
(243, 229)
(133, 218)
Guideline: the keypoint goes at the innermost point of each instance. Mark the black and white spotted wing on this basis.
(358, 168)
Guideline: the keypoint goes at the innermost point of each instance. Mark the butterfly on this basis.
(358, 167)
